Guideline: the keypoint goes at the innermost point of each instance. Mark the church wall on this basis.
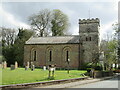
(58, 55)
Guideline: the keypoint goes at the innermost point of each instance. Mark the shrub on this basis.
(89, 65)
(89, 69)
(97, 66)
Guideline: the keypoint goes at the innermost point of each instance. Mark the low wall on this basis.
(99, 74)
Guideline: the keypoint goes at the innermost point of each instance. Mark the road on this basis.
(111, 83)
(93, 83)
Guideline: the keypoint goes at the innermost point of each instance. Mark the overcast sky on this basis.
(15, 14)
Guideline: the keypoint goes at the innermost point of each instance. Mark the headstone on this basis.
(44, 68)
(4, 64)
(28, 64)
(12, 67)
(0, 65)
(92, 73)
(33, 67)
(31, 64)
(26, 67)
(16, 65)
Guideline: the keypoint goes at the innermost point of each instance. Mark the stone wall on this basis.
(89, 36)
(99, 74)
(58, 55)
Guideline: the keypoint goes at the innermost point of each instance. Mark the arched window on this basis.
(50, 56)
(67, 55)
(90, 38)
(33, 55)
(86, 39)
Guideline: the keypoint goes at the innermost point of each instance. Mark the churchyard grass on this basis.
(20, 75)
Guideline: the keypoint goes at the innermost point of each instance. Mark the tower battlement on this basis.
(86, 21)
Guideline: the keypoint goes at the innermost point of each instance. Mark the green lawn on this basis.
(21, 76)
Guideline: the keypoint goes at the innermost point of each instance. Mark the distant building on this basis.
(59, 50)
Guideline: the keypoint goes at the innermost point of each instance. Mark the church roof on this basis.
(53, 40)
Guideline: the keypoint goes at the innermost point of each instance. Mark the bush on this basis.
(98, 66)
(89, 69)
(89, 65)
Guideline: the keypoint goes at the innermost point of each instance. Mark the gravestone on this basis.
(44, 68)
(26, 67)
(28, 64)
(12, 67)
(0, 65)
(4, 64)
(92, 73)
(32, 67)
(31, 64)
(16, 65)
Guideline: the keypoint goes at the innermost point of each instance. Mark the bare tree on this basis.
(41, 22)
(8, 36)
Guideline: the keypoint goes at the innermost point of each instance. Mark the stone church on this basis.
(74, 50)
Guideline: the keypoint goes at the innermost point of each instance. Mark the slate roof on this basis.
(53, 40)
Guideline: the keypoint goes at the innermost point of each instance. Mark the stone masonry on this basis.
(79, 49)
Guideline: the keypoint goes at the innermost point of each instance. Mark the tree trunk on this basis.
(41, 34)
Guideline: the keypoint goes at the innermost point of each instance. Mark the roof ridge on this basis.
(56, 36)
(58, 39)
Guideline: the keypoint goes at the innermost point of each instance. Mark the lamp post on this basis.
(68, 61)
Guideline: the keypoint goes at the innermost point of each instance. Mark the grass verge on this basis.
(20, 75)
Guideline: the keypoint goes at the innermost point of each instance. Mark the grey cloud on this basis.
(75, 10)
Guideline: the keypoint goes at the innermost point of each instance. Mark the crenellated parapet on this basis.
(87, 21)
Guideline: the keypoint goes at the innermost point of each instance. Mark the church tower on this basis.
(89, 38)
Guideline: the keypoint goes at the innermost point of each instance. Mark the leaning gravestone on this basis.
(16, 65)
(12, 67)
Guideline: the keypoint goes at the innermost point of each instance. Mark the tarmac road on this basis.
(111, 83)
